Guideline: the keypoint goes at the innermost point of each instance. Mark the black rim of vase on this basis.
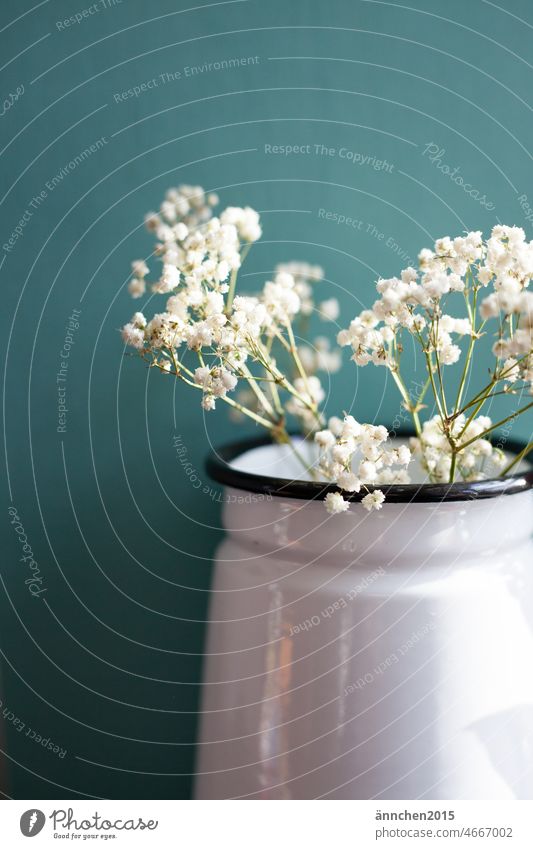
(218, 467)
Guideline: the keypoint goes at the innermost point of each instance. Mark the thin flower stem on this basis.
(441, 384)
(439, 371)
(407, 399)
(494, 426)
(265, 353)
(422, 395)
(284, 382)
(259, 378)
(486, 393)
(287, 439)
(259, 419)
(283, 341)
(431, 379)
(233, 278)
(275, 427)
(176, 373)
(260, 395)
(273, 387)
(287, 385)
(452, 466)
(283, 436)
(479, 402)
(178, 366)
(466, 369)
(429, 362)
(473, 401)
(296, 356)
(231, 290)
(258, 392)
(477, 407)
(179, 376)
(518, 459)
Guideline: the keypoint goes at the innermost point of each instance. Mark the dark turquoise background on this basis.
(107, 662)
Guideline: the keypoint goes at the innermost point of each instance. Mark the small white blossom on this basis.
(133, 336)
(374, 500)
(246, 220)
(349, 482)
(217, 339)
(335, 503)
(329, 310)
(280, 298)
(320, 357)
(511, 370)
(325, 438)
(139, 268)
(136, 287)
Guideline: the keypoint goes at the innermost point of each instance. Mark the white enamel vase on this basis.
(381, 655)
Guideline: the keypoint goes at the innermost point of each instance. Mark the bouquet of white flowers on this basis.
(242, 350)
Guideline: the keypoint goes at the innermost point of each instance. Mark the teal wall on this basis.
(106, 663)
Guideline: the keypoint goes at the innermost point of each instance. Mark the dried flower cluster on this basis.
(355, 456)
(242, 349)
(490, 281)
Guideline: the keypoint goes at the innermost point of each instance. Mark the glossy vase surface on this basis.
(382, 655)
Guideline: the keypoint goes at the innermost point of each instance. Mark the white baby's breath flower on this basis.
(133, 336)
(335, 503)
(324, 438)
(320, 356)
(136, 287)
(335, 425)
(354, 455)
(139, 320)
(246, 220)
(329, 310)
(368, 472)
(139, 268)
(202, 376)
(168, 281)
(215, 338)
(351, 428)
(280, 298)
(374, 500)
(449, 354)
(349, 482)
(181, 231)
(511, 370)
(152, 221)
